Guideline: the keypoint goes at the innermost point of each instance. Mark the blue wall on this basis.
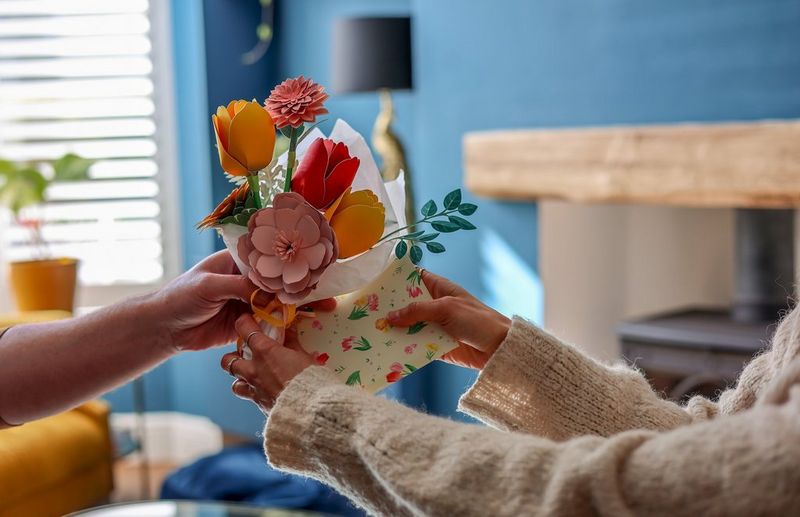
(543, 63)
(535, 63)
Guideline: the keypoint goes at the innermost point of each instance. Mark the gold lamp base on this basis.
(393, 157)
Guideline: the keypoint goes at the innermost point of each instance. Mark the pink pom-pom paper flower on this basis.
(288, 246)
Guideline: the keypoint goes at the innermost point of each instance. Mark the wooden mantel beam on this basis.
(749, 164)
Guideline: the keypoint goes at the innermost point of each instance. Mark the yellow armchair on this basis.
(57, 465)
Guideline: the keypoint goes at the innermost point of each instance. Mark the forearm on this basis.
(537, 384)
(50, 367)
(394, 461)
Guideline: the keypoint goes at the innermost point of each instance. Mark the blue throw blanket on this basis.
(241, 474)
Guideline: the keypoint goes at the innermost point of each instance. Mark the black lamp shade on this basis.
(371, 53)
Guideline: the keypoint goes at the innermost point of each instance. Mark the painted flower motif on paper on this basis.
(361, 344)
(409, 349)
(413, 291)
(354, 379)
(398, 371)
(382, 324)
(320, 358)
(316, 325)
(363, 306)
(430, 350)
(347, 343)
(394, 376)
(416, 327)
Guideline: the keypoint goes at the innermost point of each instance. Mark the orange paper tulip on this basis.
(245, 137)
(357, 219)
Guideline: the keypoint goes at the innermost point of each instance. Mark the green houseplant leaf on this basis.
(23, 187)
(71, 167)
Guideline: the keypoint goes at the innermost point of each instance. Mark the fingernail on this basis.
(392, 315)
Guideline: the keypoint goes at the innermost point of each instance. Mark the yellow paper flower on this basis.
(245, 137)
(357, 219)
(432, 347)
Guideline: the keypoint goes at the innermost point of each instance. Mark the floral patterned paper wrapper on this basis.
(356, 341)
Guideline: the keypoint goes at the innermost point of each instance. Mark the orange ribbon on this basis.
(289, 311)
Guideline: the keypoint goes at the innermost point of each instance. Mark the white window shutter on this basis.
(86, 76)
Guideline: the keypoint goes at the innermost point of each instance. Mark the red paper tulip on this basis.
(325, 172)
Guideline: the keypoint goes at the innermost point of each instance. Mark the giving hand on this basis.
(198, 309)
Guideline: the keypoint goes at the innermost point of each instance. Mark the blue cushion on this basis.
(241, 474)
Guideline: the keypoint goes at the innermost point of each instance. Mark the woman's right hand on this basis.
(478, 329)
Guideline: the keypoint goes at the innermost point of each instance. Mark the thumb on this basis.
(440, 286)
(433, 310)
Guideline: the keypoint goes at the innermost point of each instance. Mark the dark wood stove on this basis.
(702, 351)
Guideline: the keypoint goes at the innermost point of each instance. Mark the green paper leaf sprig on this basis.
(448, 220)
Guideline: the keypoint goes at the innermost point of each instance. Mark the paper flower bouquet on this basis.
(317, 221)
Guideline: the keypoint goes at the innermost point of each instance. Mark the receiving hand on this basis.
(198, 309)
(262, 378)
(478, 329)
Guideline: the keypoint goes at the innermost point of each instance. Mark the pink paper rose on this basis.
(288, 246)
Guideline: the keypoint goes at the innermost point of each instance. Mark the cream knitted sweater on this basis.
(570, 437)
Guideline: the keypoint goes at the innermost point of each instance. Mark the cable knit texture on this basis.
(573, 437)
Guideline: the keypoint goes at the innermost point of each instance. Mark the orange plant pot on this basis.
(40, 285)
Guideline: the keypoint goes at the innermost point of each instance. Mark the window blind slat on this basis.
(62, 7)
(84, 25)
(75, 47)
(120, 148)
(59, 89)
(114, 189)
(99, 210)
(123, 169)
(74, 67)
(76, 109)
(109, 231)
(78, 129)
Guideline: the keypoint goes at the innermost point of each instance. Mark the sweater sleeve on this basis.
(535, 383)
(394, 461)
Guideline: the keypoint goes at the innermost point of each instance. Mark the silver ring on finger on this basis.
(230, 365)
(247, 339)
